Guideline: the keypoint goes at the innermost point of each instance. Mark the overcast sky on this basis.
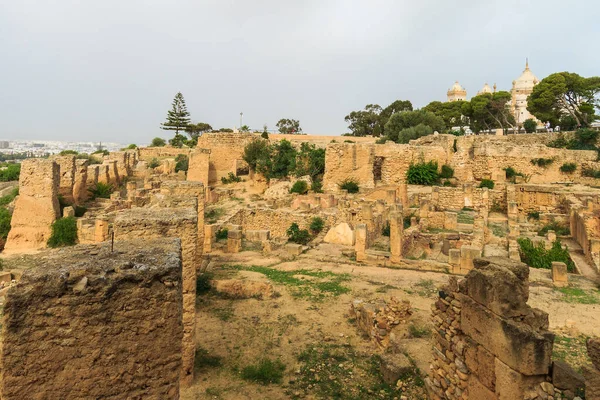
(108, 70)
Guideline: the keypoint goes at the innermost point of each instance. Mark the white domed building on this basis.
(457, 93)
(522, 87)
(486, 89)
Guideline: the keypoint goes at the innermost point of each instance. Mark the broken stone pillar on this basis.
(199, 165)
(103, 320)
(468, 195)
(68, 211)
(36, 206)
(131, 188)
(424, 210)
(467, 255)
(143, 223)
(513, 211)
(101, 230)
(403, 193)
(454, 257)
(396, 234)
(121, 162)
(67, 177)
(451, 221)
(80, 193)
(390, 197)
(234, 240)
(413, 221)
(113, 173)
(93, 171)
(210, 232)
(361, 240)
(103, 174)
(560, 277)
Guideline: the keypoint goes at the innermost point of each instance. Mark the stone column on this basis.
(67, 177)
(234, 240)
(209, 237)
(101, 230)
(93, 172)
(560, 277)
(403, 193)
(80, 193)
(390, 196)
(424, 210)
(361, 242)
(396, 231)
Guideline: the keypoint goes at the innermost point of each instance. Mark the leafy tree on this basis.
(408, 119)
(289, 126)
(365, 122)
(414, 132)
(181, 163)
(244, 128)
(530, 125)
(132, 146)
(5, 218)
(565, 93)
(489, 111)
(284, 159)
(423, 173)
(567, 123)
(255, 154)
(10, 173)
(158, 142)
(310, 161)
(195, 130)
(178, 118)
(178, 140)
(450, 112)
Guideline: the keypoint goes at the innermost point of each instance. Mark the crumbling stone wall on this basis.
(80, 193)
(397, 158)
(143, 223)
(148, 153)
(36, 207)
(67, 176)
(225, 150)
(91, 323)
(199, 166)
(349, 161)
(488, 343)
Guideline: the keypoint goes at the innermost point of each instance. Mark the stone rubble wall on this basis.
(148, 153)
(67, 176)
(88, 323)
(349, 161)
(225, 150)
(36, 207)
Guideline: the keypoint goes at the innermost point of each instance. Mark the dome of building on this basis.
(527, 80)
(457, 92)
(485, 89)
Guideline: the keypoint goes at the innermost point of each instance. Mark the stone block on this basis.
(451, 221)
(258, 235)
(512, 385)
(234, 234)
(515, 343)
(593, 348)
(486, 368)
(340, 234)
(393, 367)
(565, 378)
(293, 249)
(361, 242)
(5, 277)
(551, 236)
(499, 284)
(559, 274)
(68, 211)
(476, 390)
(592, 382)
(454, 257)
(234, 245)
(467, 255)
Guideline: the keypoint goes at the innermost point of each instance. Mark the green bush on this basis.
(203, 283)
(423, 173)
(511, 173)
(316, 225)
(447, 172)
(265, 372)
(567, 168)
(317, 186)
(530, 125)
(181, 163)
(591, 173)
(103, 152)
(300, 187)
(585, 139)
(542, 162)
(349, 185)
(5, 200)
(222, 234)
(297, 235)
(79, 211)
(448, 183)
(153, 163)
(536, 256)
(256, 153)
(5, 218)
(68, 153)
(10, 173)
(385, 231)
(487, 183)
(132, 146)
(533, 215)
(559, 229)
(231, 178)
(158, 142)
(101, 190)
(64, 232)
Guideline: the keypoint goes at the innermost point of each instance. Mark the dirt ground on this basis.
(309, 331)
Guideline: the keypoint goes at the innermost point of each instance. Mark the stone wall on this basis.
(199, 166)
(67, 176)
(90, 323)
(225, 150)
(148, 153)
(141, 223)
(36, 207)
(349, 161)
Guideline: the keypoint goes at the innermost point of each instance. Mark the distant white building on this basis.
(456, 92)
(522, 87)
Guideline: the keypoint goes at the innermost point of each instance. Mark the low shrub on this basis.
(448, 183)
(487, 183)
(64, 232)
(5, 200)
(79, 211)
(317, 186)
(300, 187)
(153, 163)
(5, 218)
(567, 168)
(511, 173)
(530, 125)
(349, 185)
(10, 172)
(559, 229)
(101, 190)
(316, 225)
(536, 256)
(591, 173)
(447, 172)
(297, 235)
(265, 372)
(533, 215)
(423, 173)
(182, 163)
(203, 283)
(386, 230)
(230, 178)
(222, 234)
(542, 162)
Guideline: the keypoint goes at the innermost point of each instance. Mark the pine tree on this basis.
(178, 118)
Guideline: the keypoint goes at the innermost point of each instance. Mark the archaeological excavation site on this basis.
(306, 267)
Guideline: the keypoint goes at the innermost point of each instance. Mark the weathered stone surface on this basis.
(592, 382)
(511, 385)
(257, 235)
(68, 211)
(124, 324)
(476, 390)
(340, 234)
(515, 343)
(393, 366)
(593, 348)
(243, 288)
(565, 378)
(499, 284)
(559, 274)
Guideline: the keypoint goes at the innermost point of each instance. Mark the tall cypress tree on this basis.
(178, 118)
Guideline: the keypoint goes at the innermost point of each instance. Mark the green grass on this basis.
(425, 287)
(64, 232)
(465, 218)
(571, 350)
(212, 215)
(5, 200)
(419, 331)
(559, 229)
(266, 371)
(326, 284)
(498, 230)
(223, 313)
(580, 296)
